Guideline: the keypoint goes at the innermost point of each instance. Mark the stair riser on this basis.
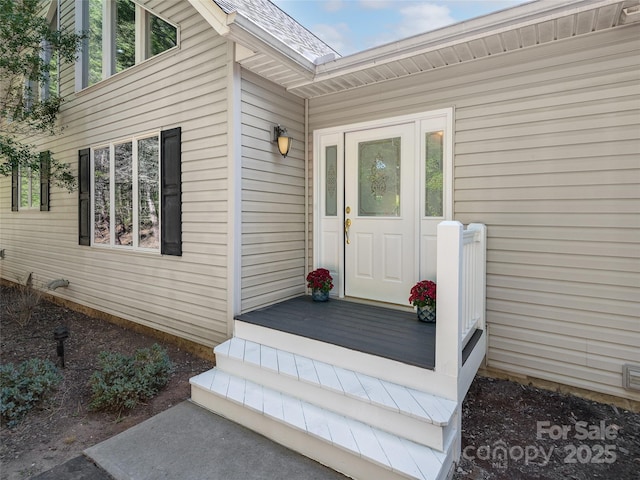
(313, 447)
(412, 428)
(408, 375)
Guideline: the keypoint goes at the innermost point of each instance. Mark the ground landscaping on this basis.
(510, 431)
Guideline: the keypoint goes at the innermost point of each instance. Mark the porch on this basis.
(367, 390)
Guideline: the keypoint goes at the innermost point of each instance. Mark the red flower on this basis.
(423, 293)
(320, 279)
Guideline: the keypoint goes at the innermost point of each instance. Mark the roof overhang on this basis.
(516, 28)
(259, 50)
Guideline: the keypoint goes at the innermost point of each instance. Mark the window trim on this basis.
(135, 192)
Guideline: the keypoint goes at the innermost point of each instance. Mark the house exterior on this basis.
(532, 114)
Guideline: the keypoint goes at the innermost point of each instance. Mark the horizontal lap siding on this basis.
(185, 296)
(273, 206)
(547, 154)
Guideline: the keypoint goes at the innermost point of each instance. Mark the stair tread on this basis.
(385, 449)
(421, 405)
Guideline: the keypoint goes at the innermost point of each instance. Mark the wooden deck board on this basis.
(384, 332)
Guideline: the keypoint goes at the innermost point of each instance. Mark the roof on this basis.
(277, 23)
(274, 46)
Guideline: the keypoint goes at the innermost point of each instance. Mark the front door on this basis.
(380, 254)
(381, 187)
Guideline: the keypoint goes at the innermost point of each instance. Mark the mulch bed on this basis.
(510, 431)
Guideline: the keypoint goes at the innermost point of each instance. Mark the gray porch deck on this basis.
(384, 332)
(380, 331)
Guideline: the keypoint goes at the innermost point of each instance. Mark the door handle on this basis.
(347, 224)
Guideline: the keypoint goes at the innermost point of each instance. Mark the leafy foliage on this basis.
(320, 279)
(123, 381)
(24, 386)
(423, 293)
(29, 54)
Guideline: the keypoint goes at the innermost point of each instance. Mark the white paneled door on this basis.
(379, 213)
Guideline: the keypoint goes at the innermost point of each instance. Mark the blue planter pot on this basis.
(427, 314)
(319, 296)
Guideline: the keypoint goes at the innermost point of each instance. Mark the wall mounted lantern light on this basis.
(284, 142)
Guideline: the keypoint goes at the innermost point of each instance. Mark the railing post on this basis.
(449, 300)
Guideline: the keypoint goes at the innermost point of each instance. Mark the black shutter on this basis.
(171, 192)
(45, 169)
(15, 201)
(84, 197)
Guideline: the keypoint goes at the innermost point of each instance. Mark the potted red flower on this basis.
(320, 282)
(423, 296)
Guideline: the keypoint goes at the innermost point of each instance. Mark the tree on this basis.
(29, 54)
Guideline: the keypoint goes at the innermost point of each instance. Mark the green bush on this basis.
(122, 381)
(23, 387)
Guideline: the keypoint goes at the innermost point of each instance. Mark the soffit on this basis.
(518, 28)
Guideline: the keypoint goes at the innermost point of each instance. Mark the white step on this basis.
(345, 444)
(418, 416)
(391, 370)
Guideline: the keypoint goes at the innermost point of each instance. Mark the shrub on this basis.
(122, 381)
(23, 387)
(24, 301)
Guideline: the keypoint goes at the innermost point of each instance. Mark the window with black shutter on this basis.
(84, 196)
(130, 194)
(30, 188)
(45, 166)
(15, 189)
(171, 191)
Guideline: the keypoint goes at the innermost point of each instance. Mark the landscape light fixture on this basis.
(284, 142)
(60, 334)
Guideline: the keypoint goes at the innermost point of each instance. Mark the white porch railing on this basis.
(473, 279)
(461, 276)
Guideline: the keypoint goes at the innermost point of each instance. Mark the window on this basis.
(49, 86)
(30, 188)
(41, 89)
(130, 194)
(126, 188)
(434, 175)
(121, 35)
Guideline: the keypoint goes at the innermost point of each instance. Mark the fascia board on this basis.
(234, 26)
(243, 25)
(214, 15)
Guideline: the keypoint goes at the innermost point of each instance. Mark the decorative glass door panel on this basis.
(434, 182)
(379, 175)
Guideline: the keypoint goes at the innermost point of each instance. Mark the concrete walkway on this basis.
(188, 442)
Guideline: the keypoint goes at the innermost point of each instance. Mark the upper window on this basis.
(126, 193)
(50, 85)
(121, 35)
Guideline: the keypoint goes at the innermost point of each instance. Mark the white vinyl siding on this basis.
(272, 195)
(546, 155)
(185, 296)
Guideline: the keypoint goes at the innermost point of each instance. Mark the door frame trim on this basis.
(336, 136)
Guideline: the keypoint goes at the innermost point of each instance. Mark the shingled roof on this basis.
(270, 18)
